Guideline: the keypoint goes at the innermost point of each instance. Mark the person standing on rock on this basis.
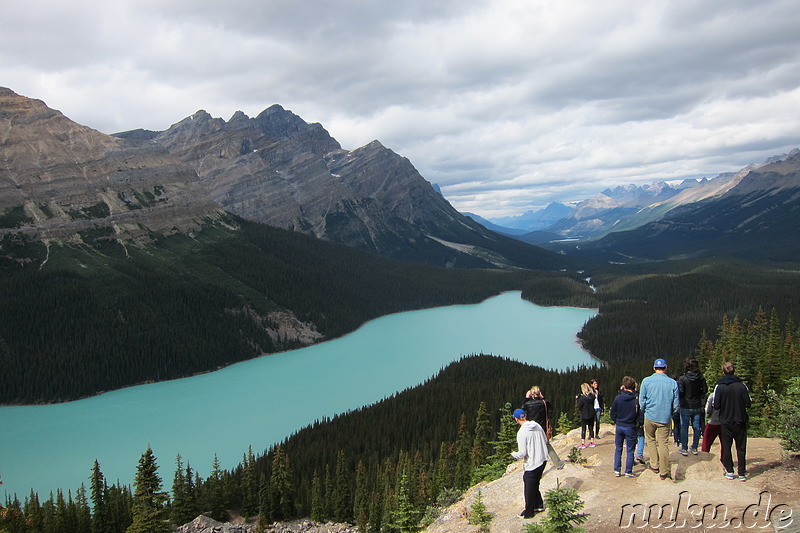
(692, 390)
(732, 398)
(658, 399)
(585, 404)
(532, 448)
(624, 412)
(541, 411)
(599, 408)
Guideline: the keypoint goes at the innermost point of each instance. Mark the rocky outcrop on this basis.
(204, 524)
(68, 178)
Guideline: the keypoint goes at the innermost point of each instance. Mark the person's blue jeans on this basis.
(640, 442)
(691, 417)
(627, 436)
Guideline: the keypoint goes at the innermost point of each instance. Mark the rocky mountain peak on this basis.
(68, 178)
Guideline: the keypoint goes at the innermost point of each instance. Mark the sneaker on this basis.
(591, 445)
(539, 510)
(640, 460)
(729, 475)
(742, 478)
(684, 452)
(694, 451)
(629, 474)
(561, 466)
(583, 446)
(616, 473)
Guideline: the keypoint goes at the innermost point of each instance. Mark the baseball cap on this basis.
(519, 413)
(659, 363)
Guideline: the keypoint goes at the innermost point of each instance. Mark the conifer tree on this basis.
(148, 511)
(361, 495)
(317, 497)
(83, 515)
(405, 517)
(184, 508)
(98, 495)
(342, 497)
(264, 509)
(33, 512)
(281, 486)
(249, 485)
(481, 448)
(463, 472)
(443, 477)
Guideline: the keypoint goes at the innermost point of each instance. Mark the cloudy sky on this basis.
(506, 104)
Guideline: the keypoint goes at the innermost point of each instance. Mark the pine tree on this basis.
(444, 469)
(481, 448)
(249, 485)
(317, 497)
(98, 495)
(83, 515)
(478, 514)
(361, 494)
(342, 497)
(463, 473)
(184, 508)
(281, 486)
(149, 514)
(404, 517)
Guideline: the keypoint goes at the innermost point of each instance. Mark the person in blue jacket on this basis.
(624, 412)
(658, 399)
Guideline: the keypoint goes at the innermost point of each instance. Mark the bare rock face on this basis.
(69, 178)
(279, 170)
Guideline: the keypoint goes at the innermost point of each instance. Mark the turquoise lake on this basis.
(260, 402)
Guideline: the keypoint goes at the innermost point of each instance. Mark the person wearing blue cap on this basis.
(532, 447)
(658, 399)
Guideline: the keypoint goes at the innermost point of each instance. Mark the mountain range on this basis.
(750, 214)
(61, 179)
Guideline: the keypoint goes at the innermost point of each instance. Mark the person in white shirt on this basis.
(532, 448)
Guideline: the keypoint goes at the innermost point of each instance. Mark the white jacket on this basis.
(531, 445)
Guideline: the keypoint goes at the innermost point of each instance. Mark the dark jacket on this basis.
(625, 409)
(732, 398)
(692, 390)
(539, 410)
(585, 403)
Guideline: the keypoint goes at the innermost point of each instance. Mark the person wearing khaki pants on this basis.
(658, 398)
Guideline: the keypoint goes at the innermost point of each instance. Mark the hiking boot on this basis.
(729, 475)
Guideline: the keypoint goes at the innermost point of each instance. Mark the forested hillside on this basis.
(80, 319)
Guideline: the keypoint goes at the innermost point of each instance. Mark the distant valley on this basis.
(743, 214)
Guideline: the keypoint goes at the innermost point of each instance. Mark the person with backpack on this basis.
(624, 413)
(541, 411)
(692, 390)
